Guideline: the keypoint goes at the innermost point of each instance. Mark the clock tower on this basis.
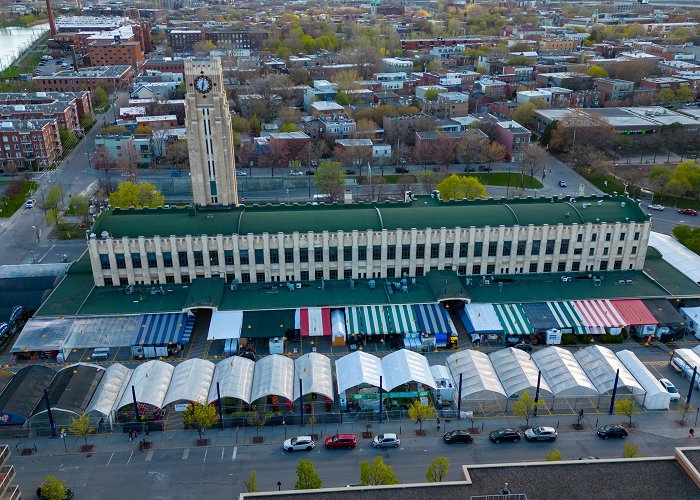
(209, 139)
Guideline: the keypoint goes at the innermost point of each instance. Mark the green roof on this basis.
(421, 213)
(670, 278)
(205, 292)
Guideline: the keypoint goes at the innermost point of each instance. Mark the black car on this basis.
(309, 172)
(500, 435)
(401, 170)
(457, 437)
(350, 172)
(469, 169)
(612, 431)
(484, 168)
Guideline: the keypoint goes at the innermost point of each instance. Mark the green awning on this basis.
(400, 319)
(513, 319)
(567, 316)
(366, 320)
(267, 324)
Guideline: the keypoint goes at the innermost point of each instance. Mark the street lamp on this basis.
(279, 485)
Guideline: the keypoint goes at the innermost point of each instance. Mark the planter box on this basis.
(578, 427)
(258, 439)
(86, 448)
(202, 442)
(420, 432)
(147, 445)
(473, 430)
(367, 434)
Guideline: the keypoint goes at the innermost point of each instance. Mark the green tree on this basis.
(258, 419)
(520, 61)
(99, 97)
(429, 179)
(553, 456)
(68, 138)
(81, 206)
(431, 95)
(202, 415)
(596, 72)
(690, 237)
(54, 218)
(525, 406)
(251, 485)
(524, 112)
(307, 477)
(54, 198)
(53, 489)
(289, 127)
(81, 427)
(683, 95)
(330, 179)
(659, 177)
(547, 132)
(342, 98)
(255, 126)
(626, 407)
(420, 412)
(685, 179)
(460, 187)
(666, 96)
(438, 469)
(239, 124)
(377, 473)
(632, 450)
(131, 194)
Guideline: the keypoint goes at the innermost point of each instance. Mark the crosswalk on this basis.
(193, 455)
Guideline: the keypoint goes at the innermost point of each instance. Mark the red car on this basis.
(348, 441)
(688, 211)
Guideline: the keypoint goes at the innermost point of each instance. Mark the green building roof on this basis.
(421, 213)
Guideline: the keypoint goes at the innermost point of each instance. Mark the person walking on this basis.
(131, 436)
(438, 424)
(692, 433)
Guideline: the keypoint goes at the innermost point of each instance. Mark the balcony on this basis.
(4, 454)
(13, 493)
(7, 475)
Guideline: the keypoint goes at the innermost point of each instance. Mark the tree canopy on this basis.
(459, 187)
(419, 412)
(330, 179)
(438, 469)
(376, 472)
(307, 477)
(596, 72)
(53, 489)
(201, 415)
(131, 194)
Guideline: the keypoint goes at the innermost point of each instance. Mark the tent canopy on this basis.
(72, 389)
(664, 312)
(433, 319)
(111, 388)
(313, 321)
(513, 319)
(517, 372)
(404, 366)
(161, 329)
(479, 379)
(366, 320)
(41, 334)
(480, 318)
(562, 372)
(441, 373)
(190, 381)
(357, 369)
(400, 319)
(540, 316)
(657, 398)
(634, 312)
(235, 378)
(225, 325)
(314, 371)
(104, 331)
(566, 316)
(267, 324)
(601, 365)
(598, 315)
(273, 376)
(24, 392)
(676, 254)
(150, 382)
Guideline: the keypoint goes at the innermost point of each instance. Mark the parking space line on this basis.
(132, 454)
(149, 456)
(235, 452)
(110, 459)
(205, 458)
(185, 453)
(222, 453)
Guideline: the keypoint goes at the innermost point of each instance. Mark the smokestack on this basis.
(52, 23)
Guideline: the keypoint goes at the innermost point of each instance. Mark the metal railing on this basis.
(4, 454)
(12, 493)
(7, 475)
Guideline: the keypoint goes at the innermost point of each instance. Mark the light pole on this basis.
(279, 485)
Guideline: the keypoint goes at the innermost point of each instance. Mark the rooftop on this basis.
(92, 72)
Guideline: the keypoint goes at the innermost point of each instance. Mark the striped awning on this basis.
(434, 319)
(314, 321)
(567, 316)
(161, 329)
(598, 314)
(400, 319)
(367, 320)
(513, 319)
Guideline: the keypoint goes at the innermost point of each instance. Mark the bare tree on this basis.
(158, 138)
(177, 154)
(533, 159)
(103, 159)
(471, 147)
(129, 159)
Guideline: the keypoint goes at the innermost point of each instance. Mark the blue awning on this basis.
(541, 316)
(163, 329)
(434, 319)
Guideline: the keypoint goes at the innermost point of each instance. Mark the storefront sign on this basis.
(393, 395)
(181, 407)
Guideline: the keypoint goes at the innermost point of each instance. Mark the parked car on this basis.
(296, 173)
(670, 388)
(469, 169)
(484, 168)
(387, 440)
(310, 172)
(401, 170)
(500, 435)
(612, 431)
(30, 203)
(299, 443)
(541, 434)
(348, 441)
(350, 171)
(241, 173)
(655, 206)
(562, 183)
(688, 211)
(457, 437)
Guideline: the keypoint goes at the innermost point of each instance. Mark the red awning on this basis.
(315, 321)
(598, 315)
(634, 312)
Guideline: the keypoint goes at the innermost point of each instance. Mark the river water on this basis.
(14, 41)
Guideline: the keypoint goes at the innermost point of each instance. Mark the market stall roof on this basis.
(513, 319)
(479, 379)
(562, 372)
(480, 318)
(190, 382)
(357, 369)
(540, 316)
(161, 329)
(314, 371)
(434, 319)
(313, 321)
(267, 323)
(517, 372)
(601, 366)
(150, 382)
(634, 312)
(663, 311)
(274, 376)
(338, 327)
(366, 320)
(43, 334)
(676, 254)
(404, 366)
(104, 331)
(657, 397)
(400, 319)
(225, 325)
(598, 315)
(235, 378)
(441, 373)
(24, 392)
(566, 315)
(112, 386)
(72, 389)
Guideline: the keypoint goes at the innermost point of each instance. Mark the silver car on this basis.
(541, 434)
(386, 441)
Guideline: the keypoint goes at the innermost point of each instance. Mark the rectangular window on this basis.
(491, 269)
(434, 250)
(478, 250)
(622, 236)
(419, 271)
(198, 258)
(333, 274)
(561, 267)
(245, 277)
(333, 254)
(405, 251)
(289, 255)
(420, 251)
(507, 248)
(549, 249)
(521, 247)
(377, 252)
(305, 276)
(390, 272)
(104, 261)
(185, 278)
(347, 254)
(564, 246)
(228, 256)
(636, 236)
(170, 279)
(303, 255)
(347, 274)
(461, 270)
(318, 254)
(591, 251)
(575, 266)
(260, 277)
(391, 252)
(476, 269)
(535, 250)
(547, 267)
(274, 256)
(259, 257)
(608, 236)
(449, 250)
(182, 259)
(578, 251)
(136, 260)
(318, 274)
(617, 265)
(167, 259)
(533, 267)
(108, 281)
(493, 246)
(213, 258)
(619, 250)
(121, 260)
(463, 249)
(634, 250)
(361, 253)
(579, 238)
(605, 251)
(243, 254)
(604, 265)
(594, 237)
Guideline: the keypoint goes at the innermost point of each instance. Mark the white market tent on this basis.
(50, 334)
(235, 378)
(601, 365)
(150, 381)
(112, 386)
(357, 369)
(104, 331)
(404, 366)
(314, 371)
(479, 379)
(563, 373)
(273, 376)
(676, 254)
(190, 382)
(518, 373)
(338, 328)
(441, 373)
(657, 398)
(481, 318)
(225, 325)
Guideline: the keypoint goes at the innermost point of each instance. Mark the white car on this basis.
(296, 173)
(241, 173)
(299, 443)
(30, 203)
(670, 388)
(541, 434)
(660, 208)
(387, 440)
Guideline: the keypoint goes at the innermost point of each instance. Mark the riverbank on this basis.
(28, 61)
(22, 22)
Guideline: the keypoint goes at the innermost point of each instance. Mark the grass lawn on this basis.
(511, 179)
(28, 62)
(69, 231)
(388, 179)
(14, 203)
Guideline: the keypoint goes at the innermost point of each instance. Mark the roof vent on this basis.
(622, 204)
(104, 235)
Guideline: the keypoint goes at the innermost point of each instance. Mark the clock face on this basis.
(202, 84)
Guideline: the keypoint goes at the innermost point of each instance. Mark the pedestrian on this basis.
(131, 436)
(692, 433)
(438, 424)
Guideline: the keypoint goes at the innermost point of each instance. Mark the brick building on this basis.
(165, 65)
(82, 101)
(30, 143)
(184, 40)
(109, 78)
(513, 137)
(65, 113)
(116, 53)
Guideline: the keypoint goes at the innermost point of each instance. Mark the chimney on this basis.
(52, 23)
